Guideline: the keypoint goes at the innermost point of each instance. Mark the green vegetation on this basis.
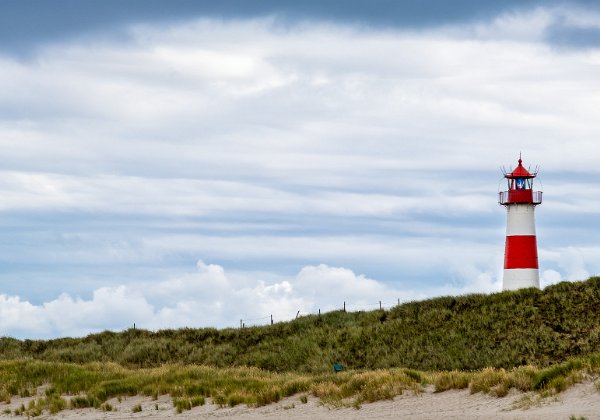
(92, 385)
(106, 407)
(187, 403)
(502, 330)
(530, 340)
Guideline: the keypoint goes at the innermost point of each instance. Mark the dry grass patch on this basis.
(494, 381)
(443, 381)
(355, 388)
(92, 385)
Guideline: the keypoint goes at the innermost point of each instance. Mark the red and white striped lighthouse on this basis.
(520, 254)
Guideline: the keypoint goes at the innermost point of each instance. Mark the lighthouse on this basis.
(520, 253)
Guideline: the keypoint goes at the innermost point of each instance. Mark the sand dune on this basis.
(580, 400)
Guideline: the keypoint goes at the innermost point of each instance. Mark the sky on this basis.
(194, 164)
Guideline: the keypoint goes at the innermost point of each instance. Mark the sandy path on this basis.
(580, 400)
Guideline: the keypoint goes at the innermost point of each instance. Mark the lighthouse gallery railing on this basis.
(520, 197)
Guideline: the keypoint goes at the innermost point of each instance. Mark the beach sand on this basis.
(579, 400)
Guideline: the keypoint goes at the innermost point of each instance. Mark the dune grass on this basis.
(530, 340)
(501, 330)
(69, 385)
(91, 385)
(498, 382)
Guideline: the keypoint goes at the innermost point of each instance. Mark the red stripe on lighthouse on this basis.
(520, 252)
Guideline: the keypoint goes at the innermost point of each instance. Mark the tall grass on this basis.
(502, 330)
(92, 385)
(527, 339)
(498, 382)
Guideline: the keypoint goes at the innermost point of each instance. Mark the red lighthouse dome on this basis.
(520, 187)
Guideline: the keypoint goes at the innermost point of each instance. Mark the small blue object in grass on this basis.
(337, 367)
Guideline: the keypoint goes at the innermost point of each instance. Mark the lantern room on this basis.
(520, 187)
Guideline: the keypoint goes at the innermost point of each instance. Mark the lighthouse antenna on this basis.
(500, 183)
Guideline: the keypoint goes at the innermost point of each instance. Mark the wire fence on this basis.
(346, 306)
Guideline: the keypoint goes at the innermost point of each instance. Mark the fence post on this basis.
(344, 306)
(271, 319)
(319, 312)
(380, 305)
(241, 323)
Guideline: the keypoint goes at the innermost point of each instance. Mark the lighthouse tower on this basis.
(520, 254)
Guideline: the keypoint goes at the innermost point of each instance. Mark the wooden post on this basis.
(241, 323)
(297, 313)
(380, 305)
(344, 306)
(319, 312)
(398, 301)
(271, 319)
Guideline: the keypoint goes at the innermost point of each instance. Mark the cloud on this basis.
(210, 297)
(550, 277)
(574, 29)
(109, 308)
(572, 262)
(27, 24)
(265, 147)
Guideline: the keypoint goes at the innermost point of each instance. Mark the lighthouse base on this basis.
(520, 278)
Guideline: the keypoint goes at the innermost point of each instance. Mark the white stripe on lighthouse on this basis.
(519, 278)
(520, 220)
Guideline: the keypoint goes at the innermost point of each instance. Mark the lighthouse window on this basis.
(520, 183)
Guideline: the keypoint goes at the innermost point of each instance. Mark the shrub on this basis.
(106, 407)
(219, 399)
(20, 410)
(55, 403)
(182, 404)
(81, 401)
(522, 378)
(235, 399)
(414, 375)
(444, 381)
(544, 378)
(197, 400)
(269, 395)
(496, 381)
(326, 390)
